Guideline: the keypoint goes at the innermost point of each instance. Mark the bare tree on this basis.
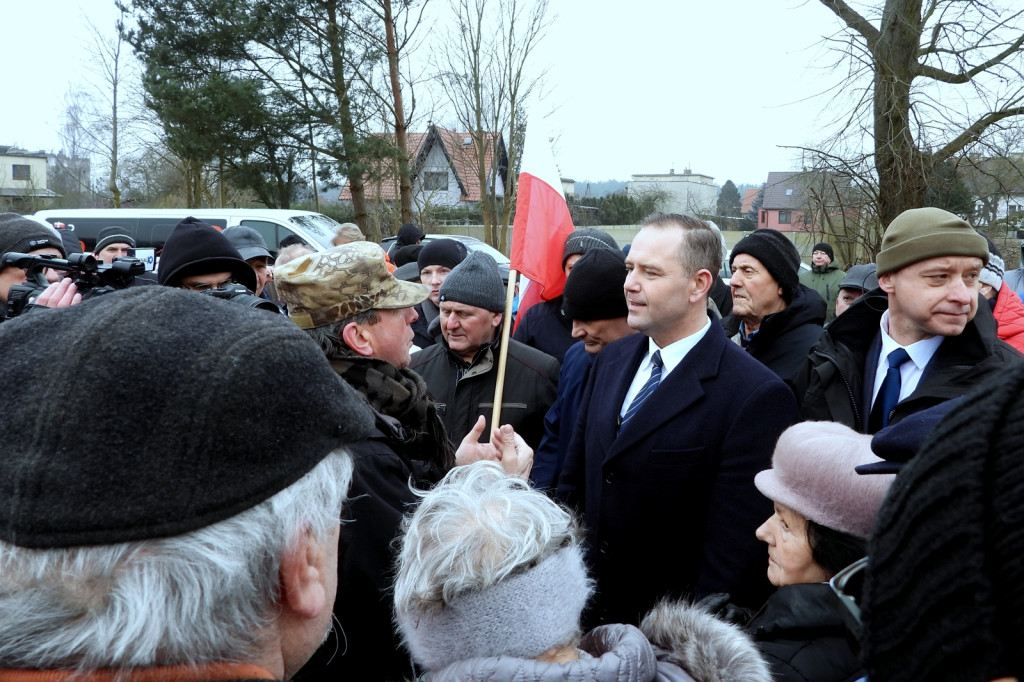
(485, 72)
(918, 54)
(399, 28)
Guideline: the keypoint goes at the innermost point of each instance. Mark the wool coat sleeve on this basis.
(731, 556)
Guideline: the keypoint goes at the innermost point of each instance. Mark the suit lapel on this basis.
(680, 390)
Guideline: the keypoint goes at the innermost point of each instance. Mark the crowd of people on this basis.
(287, 468)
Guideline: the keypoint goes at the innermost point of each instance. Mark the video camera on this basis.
(90, 276)
(239, 294)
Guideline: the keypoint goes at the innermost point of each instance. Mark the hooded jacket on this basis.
(196, 248)
(678, 643)
(831, 385)
(782, 341)
(824, 279)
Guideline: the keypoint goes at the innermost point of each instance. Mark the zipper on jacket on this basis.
(846, 382)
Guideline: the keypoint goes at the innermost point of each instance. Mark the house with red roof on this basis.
(444, 168)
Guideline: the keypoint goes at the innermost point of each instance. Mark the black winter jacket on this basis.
(784, 338)
(463, 393)
(801, 634)
(545, 328)
(831, 385)
(366, 646)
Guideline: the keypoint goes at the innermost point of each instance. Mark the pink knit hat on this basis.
(812, 474)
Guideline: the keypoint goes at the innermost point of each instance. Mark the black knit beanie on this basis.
(585, 239)
(194, 442)
(593, 290)
(408, 234)
(777, 254)
(827, 248)
(944, 591)
(475, 281)
(196, 248)
(19, 234)
(444, 252)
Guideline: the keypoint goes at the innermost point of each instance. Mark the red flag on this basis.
(542, 223)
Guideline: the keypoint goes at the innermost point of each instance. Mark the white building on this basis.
(22, 177)
(689, 193)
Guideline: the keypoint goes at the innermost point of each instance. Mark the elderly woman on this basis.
(491, 585)
(824, 511)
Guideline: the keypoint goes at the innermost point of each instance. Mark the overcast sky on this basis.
(636, 87)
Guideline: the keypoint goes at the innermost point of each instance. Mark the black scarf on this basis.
(402, 395)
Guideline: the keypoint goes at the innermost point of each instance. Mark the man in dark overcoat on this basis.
(674, 424)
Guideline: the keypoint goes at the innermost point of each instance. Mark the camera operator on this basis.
(198, 257)
(19, 234)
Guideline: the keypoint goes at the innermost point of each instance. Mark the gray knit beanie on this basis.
(585, 239)
(476, 281)
(522, 616)
(813, 474)
(113, 235)
(19, 234)
(921, 233)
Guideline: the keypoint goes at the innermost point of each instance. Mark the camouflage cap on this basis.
(325, 287)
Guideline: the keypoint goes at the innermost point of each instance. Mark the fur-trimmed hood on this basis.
(709, 649)
(679, 643)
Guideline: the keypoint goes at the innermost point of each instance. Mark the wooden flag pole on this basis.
(506, 327)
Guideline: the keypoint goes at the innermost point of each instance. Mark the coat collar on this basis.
(682, 388)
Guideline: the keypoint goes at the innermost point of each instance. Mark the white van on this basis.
(151, 226)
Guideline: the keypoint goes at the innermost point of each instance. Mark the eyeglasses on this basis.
(848, 586)
(203, 286)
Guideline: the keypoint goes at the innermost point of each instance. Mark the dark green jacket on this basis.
(825, 280)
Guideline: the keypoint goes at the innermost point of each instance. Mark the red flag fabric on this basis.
(541, 225)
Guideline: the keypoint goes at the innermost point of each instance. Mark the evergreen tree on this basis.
(728, 200)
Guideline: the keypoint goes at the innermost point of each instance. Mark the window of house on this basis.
(1011, 209)
(785, 218)
(433, 180)
(789, 192)
(21, 172)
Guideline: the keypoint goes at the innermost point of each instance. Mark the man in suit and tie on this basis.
(674, 424)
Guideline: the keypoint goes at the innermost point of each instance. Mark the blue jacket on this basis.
(561, 417)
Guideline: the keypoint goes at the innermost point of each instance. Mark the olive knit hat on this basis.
(944, 589)
(921, 233)
(178, 421)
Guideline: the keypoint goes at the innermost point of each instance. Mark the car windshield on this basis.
(318, 226)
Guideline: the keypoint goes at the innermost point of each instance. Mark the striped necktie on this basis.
(648, 389)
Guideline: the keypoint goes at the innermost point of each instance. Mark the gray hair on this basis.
(329, 336)
(291, 252)
(204, 596)
(474, 529)
(701, 248)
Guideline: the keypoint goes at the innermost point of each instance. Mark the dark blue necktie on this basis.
(889, 393)
(648, 389)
